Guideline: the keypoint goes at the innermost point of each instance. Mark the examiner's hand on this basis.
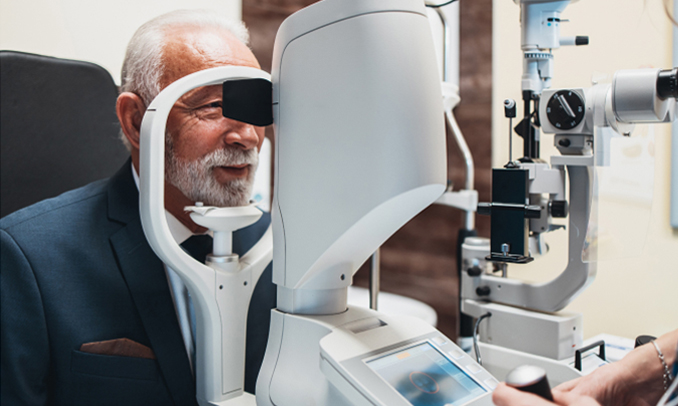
(603, 385)
(636, 380)
(507, 396)
(610, 386)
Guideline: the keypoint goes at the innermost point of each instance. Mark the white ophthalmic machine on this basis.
(360, 150)
(518, 322)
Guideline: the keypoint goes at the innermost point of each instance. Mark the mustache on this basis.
(227, 156)
(231, 157)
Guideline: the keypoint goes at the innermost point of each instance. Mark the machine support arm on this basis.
(556, 294)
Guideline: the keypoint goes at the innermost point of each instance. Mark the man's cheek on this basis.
(261, 133)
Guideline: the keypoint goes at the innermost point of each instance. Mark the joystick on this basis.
(532, 379)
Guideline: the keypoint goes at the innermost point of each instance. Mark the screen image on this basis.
(425, 377)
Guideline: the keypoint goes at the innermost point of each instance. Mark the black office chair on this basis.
(58, 127)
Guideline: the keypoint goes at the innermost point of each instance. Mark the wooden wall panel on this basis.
(419, 261)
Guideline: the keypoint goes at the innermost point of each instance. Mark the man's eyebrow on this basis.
(199, 95)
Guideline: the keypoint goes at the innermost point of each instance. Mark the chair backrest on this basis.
(58, 127)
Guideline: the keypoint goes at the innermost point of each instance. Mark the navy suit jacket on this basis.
(77, 269)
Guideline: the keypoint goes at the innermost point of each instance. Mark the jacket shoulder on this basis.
(55, 206)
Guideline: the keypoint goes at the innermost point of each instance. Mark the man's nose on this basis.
(240, 134)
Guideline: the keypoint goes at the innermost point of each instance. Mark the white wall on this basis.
(95, 31)
(635, 288)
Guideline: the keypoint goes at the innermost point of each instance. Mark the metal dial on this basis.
(565, 109)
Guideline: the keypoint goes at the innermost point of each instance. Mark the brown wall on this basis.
(419, 261)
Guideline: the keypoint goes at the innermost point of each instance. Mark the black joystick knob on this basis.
(532, 379)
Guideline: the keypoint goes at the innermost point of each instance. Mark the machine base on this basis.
(361, 357)
(499, 361)
(246, 399)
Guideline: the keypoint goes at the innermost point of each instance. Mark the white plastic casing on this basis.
(631, 98)
(635, 99)
(536, 31)
(360, 141)
(540, 33)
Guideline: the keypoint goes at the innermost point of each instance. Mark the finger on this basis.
(567, 386)
(507, 396)
(568, 398)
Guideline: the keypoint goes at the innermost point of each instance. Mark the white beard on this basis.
(196, 181)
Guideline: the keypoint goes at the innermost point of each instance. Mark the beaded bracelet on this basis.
(667, 374)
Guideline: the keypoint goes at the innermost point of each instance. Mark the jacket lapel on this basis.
(145, 277)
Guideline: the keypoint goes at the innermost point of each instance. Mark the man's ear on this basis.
(130, 109)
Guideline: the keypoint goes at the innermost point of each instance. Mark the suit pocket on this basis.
(114, 366)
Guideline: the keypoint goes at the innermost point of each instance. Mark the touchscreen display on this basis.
(425, 377)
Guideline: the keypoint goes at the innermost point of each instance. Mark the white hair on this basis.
(143, 66)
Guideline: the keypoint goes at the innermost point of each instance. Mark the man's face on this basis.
(209, 158)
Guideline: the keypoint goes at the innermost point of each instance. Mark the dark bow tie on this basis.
(198, 246)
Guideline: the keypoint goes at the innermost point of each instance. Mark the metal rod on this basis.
(374, 280)
(510, 140)
(446, 45)
(469, 219)
(527, 128)
(469, 216)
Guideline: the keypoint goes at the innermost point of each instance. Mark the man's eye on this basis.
(213, 105)
(209, 111)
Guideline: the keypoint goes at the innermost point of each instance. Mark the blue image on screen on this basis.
(425, 377)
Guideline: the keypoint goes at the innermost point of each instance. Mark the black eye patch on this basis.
(249, 101)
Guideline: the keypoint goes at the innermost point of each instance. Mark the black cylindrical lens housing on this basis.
(667, 84)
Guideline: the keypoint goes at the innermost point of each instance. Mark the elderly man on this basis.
(89, 314)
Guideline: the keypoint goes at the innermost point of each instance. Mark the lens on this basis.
(667, 84)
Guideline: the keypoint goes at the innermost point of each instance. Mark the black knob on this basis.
(559, 208)
(641, 340)
(474, 271)
(483, 291)
(509, 108)
(532, 379)
(564, 142)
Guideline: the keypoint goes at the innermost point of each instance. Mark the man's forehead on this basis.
(190, 49)
(201, 94)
